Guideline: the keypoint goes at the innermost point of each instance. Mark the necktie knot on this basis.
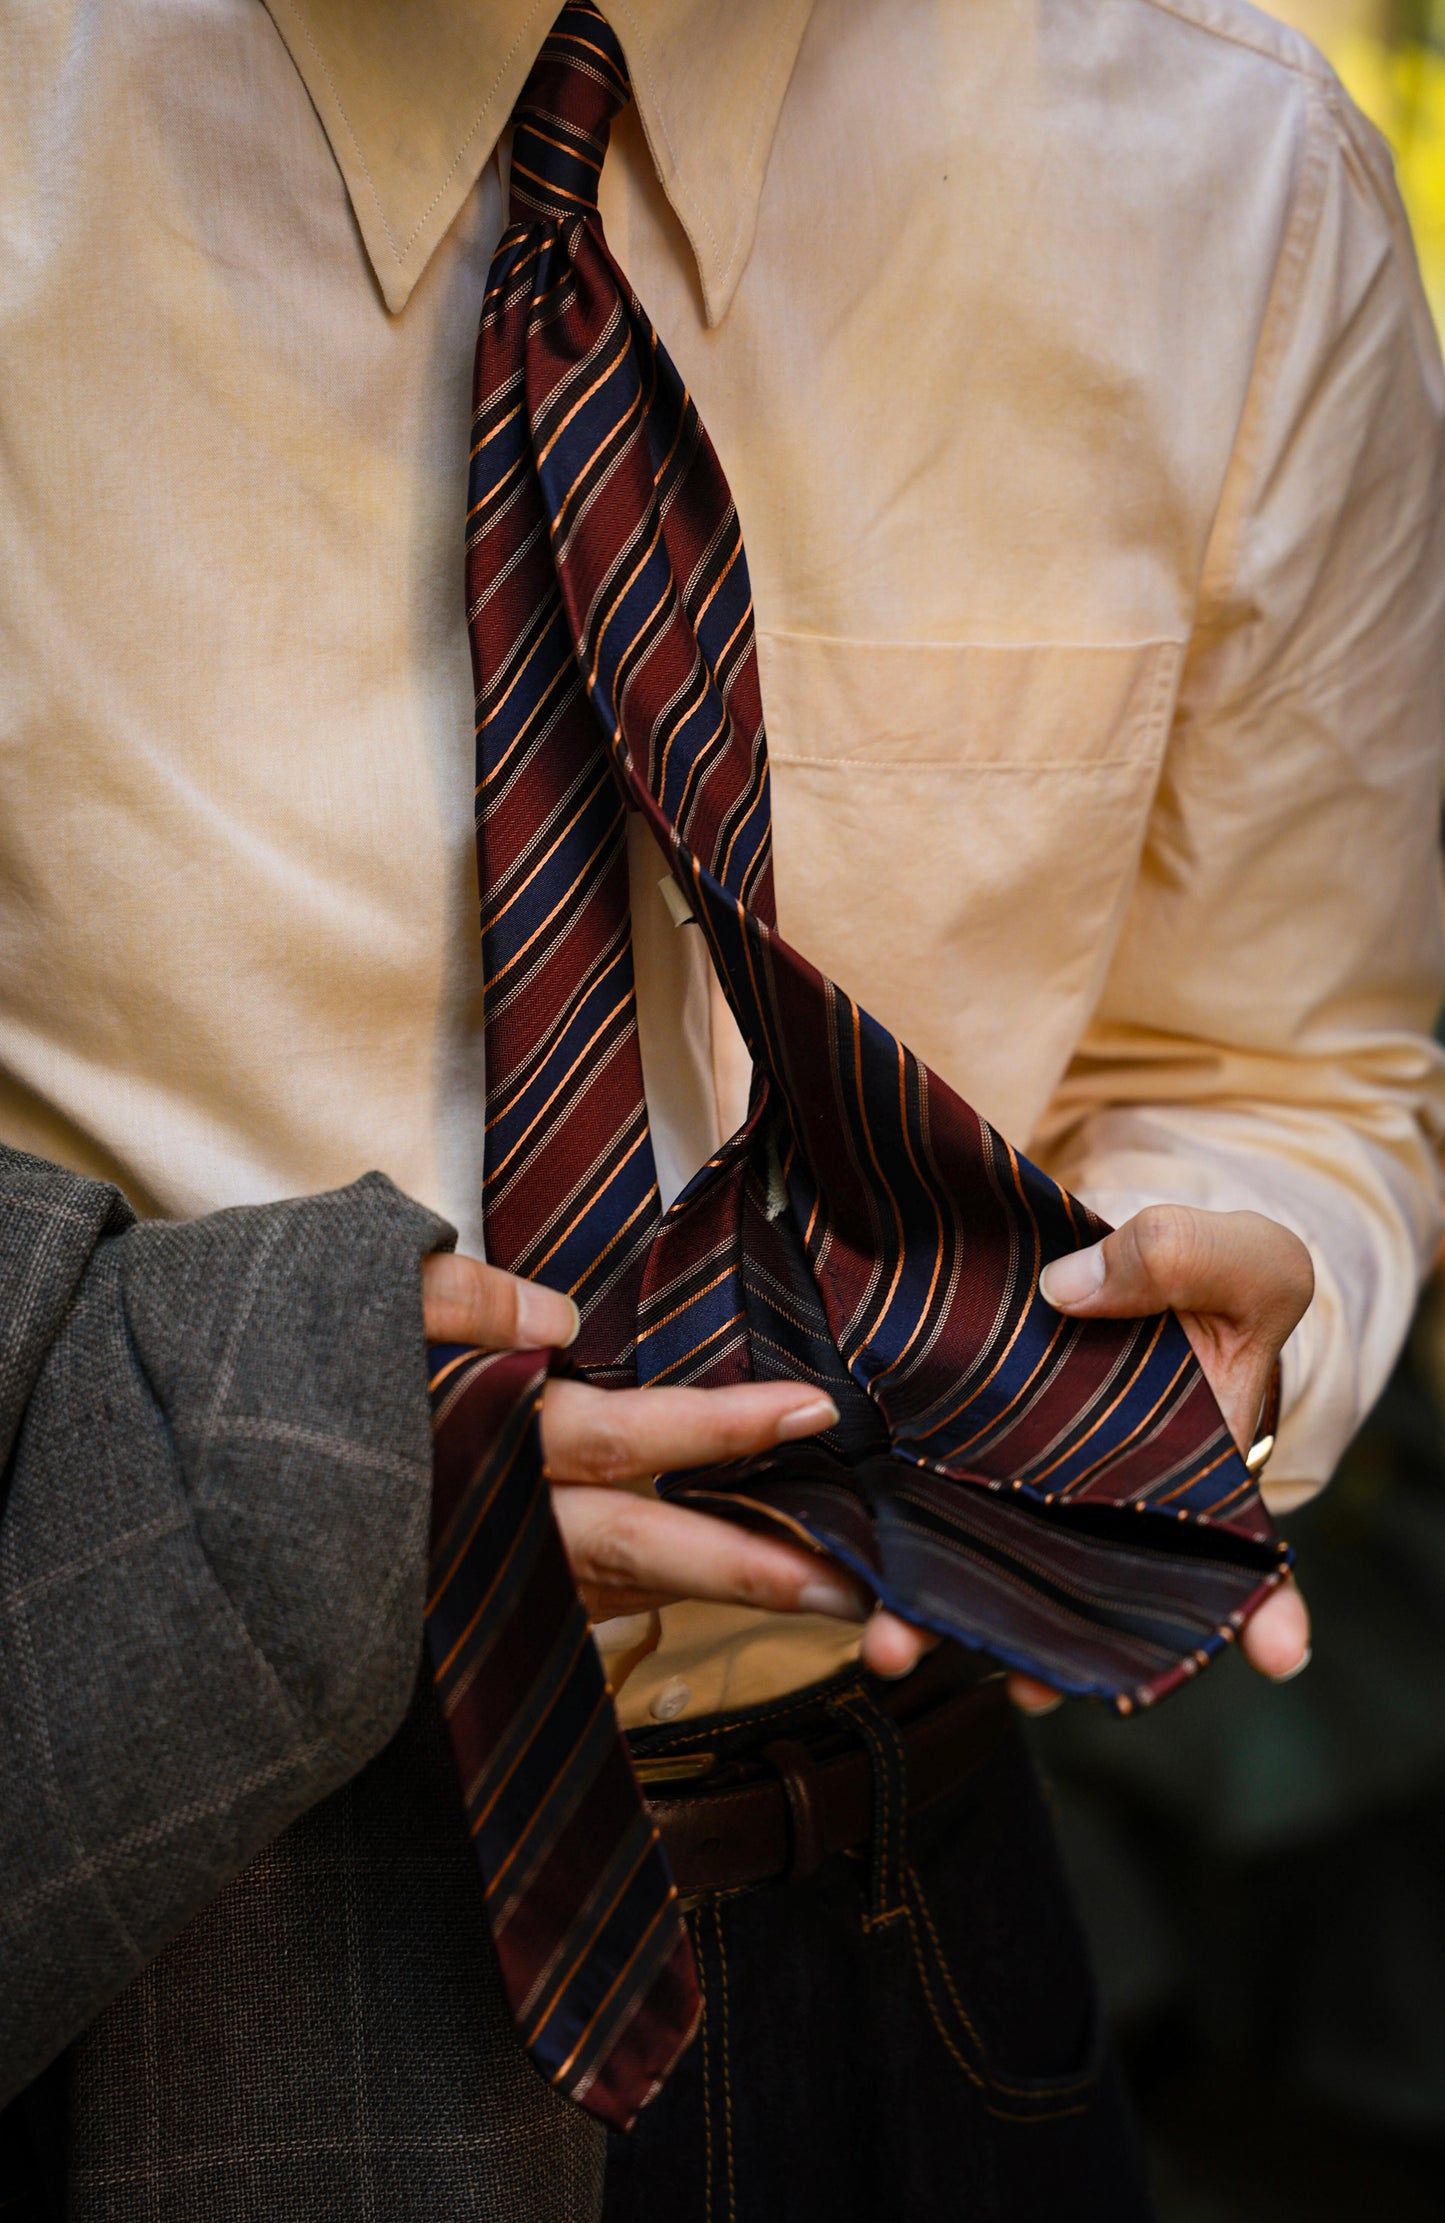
(578, 83)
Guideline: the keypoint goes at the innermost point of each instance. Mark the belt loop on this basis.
(883, 1741)
(795, 1765)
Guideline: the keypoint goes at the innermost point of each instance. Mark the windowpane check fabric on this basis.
(1063, 1494)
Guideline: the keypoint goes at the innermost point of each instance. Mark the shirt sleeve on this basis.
(1263, 1036)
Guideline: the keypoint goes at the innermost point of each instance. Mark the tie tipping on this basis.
(578, 83)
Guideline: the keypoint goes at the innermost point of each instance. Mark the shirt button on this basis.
(671, 1699)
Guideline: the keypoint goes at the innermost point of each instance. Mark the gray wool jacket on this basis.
(243, 1966)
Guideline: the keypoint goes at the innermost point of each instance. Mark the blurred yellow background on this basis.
(1391, 57)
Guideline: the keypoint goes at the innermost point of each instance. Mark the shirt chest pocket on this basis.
(957, 831)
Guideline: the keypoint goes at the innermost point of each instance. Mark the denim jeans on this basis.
(911, 2035)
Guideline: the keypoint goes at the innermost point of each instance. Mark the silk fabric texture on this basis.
(1062, 1494)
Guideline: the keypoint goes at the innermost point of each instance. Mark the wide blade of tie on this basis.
(1062, 1494)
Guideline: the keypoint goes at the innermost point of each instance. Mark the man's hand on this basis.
(629, 1550)
(1239, 1283)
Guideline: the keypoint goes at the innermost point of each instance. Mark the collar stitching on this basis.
(401, 250)
(675, 179)
(656, 108)
(763, 108)
(350, 131)
(480, 120)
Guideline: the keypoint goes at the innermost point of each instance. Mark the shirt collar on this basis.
(414, 94)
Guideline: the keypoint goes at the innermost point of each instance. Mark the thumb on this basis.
(1237, 1281)
(1159, 1261)
(1238, 1267)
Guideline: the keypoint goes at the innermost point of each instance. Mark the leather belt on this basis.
(788, 1820)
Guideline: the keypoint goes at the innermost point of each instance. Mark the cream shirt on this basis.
(1072, 374)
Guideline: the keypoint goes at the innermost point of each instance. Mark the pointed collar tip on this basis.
(395, 282)
(398, 259)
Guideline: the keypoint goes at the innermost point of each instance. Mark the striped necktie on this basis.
(1062, 1494)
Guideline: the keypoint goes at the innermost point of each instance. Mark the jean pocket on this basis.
(1012, 2094)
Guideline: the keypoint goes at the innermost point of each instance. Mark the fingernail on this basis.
(1299, 1666)
(545, 1317)
(806, 1420)
(822, 1596)
(1070, 1280)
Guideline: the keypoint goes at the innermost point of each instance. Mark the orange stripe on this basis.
(495, 1172)
(633, 407)
(699, 755)
(543, 1717)
(582, 399)
(722, 655)
(463, 1358)
(488, 437)
(533, 254)
(669, 592)
(575, 38)
(689, 1356)
(1134, 1373)
(1191, 1479)
(515, 681)
(577, 1743)
(721, 580)
(957, 1450)
(465, 1545)
(517, 1078)
(686, 1306)
(883, 1180)
(635, 1214)
(535, 2032)
(507, 1559)
(922, 1320)
(682, 423)
(590, 1204)
(1019, 1326)
(493, 918)
(562, 146)
(550, 187)
(521, 738)
(516, 958)
(617, 601)
(1158, 1405)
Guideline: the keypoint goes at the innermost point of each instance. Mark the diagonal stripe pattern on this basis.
(597, 1965)
(1063, 1494)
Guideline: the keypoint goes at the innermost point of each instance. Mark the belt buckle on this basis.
(675, 1767)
